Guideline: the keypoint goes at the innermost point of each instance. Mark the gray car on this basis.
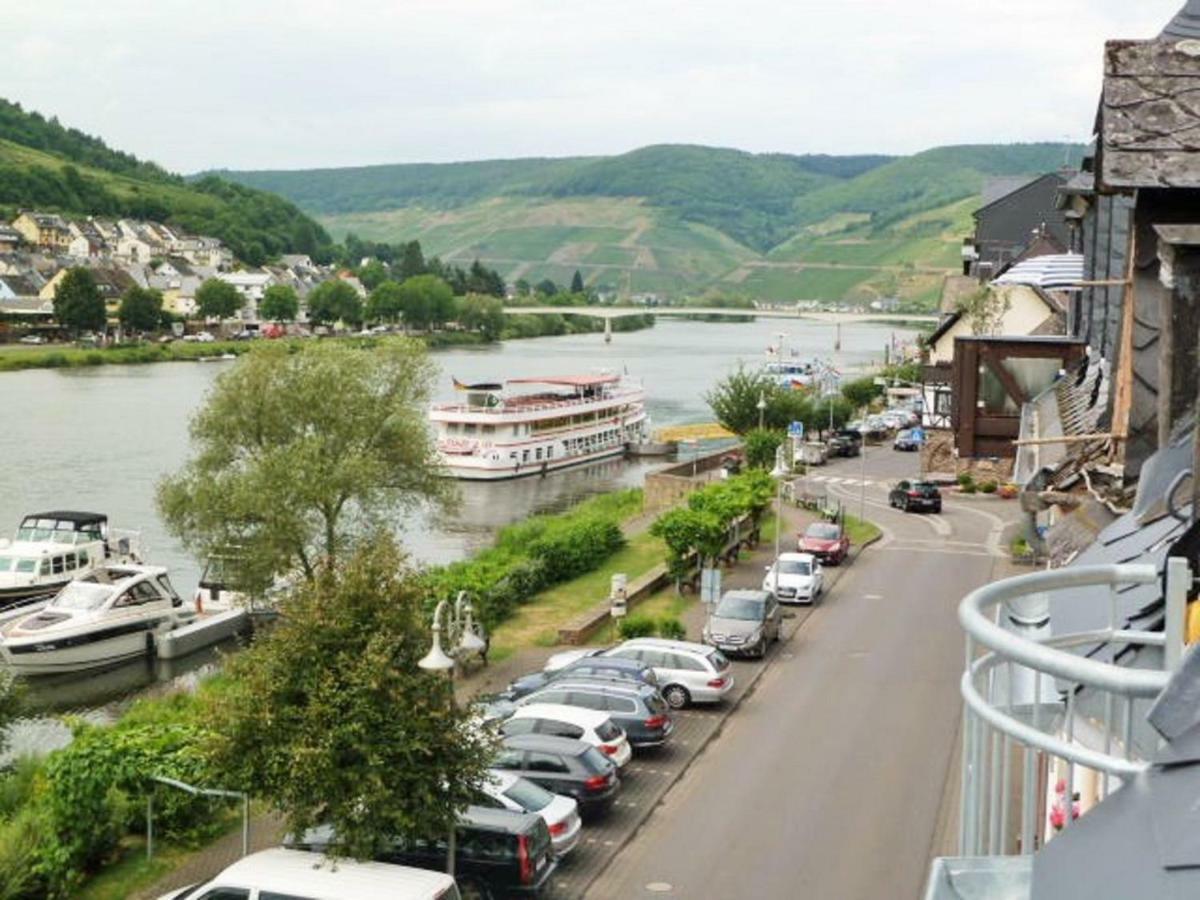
(744, 622)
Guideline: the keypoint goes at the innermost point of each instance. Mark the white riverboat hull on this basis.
(471, 468)
(78, 653)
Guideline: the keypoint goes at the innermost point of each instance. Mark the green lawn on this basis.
(860, 530)
(536, 623)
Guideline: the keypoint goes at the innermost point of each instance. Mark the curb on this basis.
(751, 687)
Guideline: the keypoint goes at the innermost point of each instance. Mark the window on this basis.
(271, 895)
(546, 762)
(524, 456)
(83, 559)
(44, 569)
(656, 658)
(28, 566)
(518, 726)
(6, 563)
(620, 705)
(687, 663)
(539, 453)
(225, 893)
(69, 562)
(586, 700)
(552, 697)
(509, 759)
(56, 565)
(560, 729)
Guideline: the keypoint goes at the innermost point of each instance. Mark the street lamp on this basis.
(778, 473)
(463, 639)
(762, 408)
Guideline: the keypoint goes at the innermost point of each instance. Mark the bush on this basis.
(670, 627)
(968, 487)
(22, 841)
(965, 478)
(988, 487)
(636, 627)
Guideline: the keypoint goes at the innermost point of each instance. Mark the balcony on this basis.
(1052, 723)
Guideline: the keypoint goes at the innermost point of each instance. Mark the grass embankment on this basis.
(536, 623)
(861, 531)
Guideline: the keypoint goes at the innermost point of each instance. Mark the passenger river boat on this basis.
(532, 426)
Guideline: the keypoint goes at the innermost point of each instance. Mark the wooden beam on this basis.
(1071, 439)
(1009, 383)
(1123, 394)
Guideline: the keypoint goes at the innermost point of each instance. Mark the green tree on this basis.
(217, 299)
(761, 444)
(386, 303)
(373, 274)
(546, 287)
(298, 456)
(141, 309)
(734, 400)
(10, 706)
(280, 303)
(477, 312)
(576, 283)
(412, 261)
(78, 305)
(332, 722)
(335, 301)
(427, 301)
(861, 391)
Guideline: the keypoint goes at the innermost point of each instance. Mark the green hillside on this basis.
(45, 166)
(679, 219)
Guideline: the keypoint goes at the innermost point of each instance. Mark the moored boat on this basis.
(51, 548)
(507, 431)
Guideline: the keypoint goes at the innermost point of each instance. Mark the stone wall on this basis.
(989, 469)
(937, 453)
(665, 487)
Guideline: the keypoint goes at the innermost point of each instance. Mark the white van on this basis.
(281, 874)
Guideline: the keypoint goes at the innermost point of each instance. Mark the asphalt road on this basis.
(828, 780)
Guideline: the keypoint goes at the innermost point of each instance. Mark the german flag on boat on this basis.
(482, 386)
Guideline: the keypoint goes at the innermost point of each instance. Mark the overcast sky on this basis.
(297, 83)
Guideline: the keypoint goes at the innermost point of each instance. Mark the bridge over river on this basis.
(618, 312)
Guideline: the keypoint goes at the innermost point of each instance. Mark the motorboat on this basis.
(52, 548)
(111, 614)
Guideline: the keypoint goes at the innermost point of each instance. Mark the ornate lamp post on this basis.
(464, 640)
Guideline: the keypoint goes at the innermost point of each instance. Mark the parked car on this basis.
(795, 578)
(566, 657)
(637, 709)
(827, 541)
(246, 334)
(200, 337)
(588, 725)
(562, 766)
(907, 439)
(504, 790)
(744, 622)
(32, 339)
(687, 672)
(845, 443)
(916, 495)
(592, 668)
(281, 872)
(497, 853)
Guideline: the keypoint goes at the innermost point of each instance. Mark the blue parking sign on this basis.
(796, 429)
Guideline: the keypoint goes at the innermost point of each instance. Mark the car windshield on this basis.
(734, 607)
(822, 531)
(794, 567)
(925, 488)
(80, 595)
(529, 796)
(904, 435)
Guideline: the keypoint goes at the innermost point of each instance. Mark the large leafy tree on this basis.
(427, 301)
(372, 274)
(861, 391)
(279, 303)
(140, 309)
(335, 301)
(477, 312)
(412, 260)
(217, 299)
(734, 401)
(298, 456)
(332, 722)
(386, 303)
(78, 304)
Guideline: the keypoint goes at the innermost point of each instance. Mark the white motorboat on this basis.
(51, 548)
(114, 613)
(502, 431)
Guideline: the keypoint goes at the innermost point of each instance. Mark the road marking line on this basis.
(872, 596)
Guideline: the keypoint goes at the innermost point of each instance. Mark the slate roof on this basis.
(1185, 25)
(1149, 123)
(1001, 186)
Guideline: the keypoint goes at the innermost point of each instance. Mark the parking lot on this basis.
(650, 774)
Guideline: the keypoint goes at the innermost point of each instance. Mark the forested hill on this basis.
(681, 218)
(45, 165)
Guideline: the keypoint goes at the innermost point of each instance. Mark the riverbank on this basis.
(17, 357)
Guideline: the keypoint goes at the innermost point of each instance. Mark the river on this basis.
(99, 439)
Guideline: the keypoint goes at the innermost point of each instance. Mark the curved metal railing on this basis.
(1020, 693)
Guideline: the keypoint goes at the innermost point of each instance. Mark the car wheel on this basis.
(677, 696)
(760, 649)
(904, 503)
(473, 889)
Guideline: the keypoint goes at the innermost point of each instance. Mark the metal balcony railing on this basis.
(1020, 696)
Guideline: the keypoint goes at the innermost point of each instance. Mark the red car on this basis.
(826, 541)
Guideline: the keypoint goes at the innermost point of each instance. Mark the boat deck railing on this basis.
(1020, 697)
(510, 407)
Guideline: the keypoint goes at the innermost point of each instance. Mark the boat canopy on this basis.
(82, 521)
(63, 526)
(577, 381)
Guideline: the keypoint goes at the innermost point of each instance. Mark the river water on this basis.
(99, 439)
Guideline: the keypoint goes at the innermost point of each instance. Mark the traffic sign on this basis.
(796, 429)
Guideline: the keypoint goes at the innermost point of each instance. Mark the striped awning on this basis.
(1052, 272)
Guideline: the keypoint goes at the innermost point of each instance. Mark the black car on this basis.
(562, 766)
(637, 709)
(590, 668)
(846, 442)
(497, 853)
(916, 495)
